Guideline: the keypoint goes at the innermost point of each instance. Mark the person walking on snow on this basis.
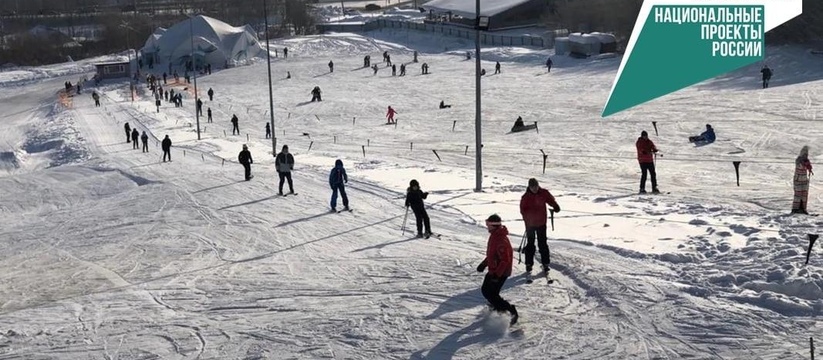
(244, 158)
(145, 139)
(331, 66)
(234, 127)
(645, 156)
(96, 98)
(135, 135)
(497, 67)
(268, 131)
(802, 171)
(499, 262)
(128, 133)
(211, 94)
(533, 209)
(157, 104)
(337, 181)
(284, 164)
(208, 113)
(166, 146)
(199, 107)
(414, 200)
(390, 115)
(549, 64)
(767, 75)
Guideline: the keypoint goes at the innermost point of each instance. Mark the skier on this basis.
(284, 164)
(499, 261)
(166, 95)
(425, 68)
(374, 67)
(394, 70)
(200, 107)
(128, 133)
(96, 97)
(802, 171)
(402, 69)
(414, 199)
(497, 67)
(135, 135)
(157, 104)
(385, 56)
(388, 60)
(337, 181)
(268, 131)
(234, 127)
(244, 158)
(705, 137)
(145, 139)
(549, 64)
(208, 113)
(533, 209)
(331, 66)
(390, 115)
(443, 105)
(767, 75)
(166, 145)
(316, 94)
(366, 61)
(645, 156)
(285, 52)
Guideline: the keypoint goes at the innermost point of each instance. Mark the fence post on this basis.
(435, 154)
(353, 120)
(737, 171)
(411, 146)
(202, 157)
(223, 163)
(453, 125)
(467, 150)
(364, 150)
(310, 144)
(811, 346)
(368, 142)
(544, 161)
(335, 139)
(247, 137)
(654, 123)
(812, 239)
(535, 127)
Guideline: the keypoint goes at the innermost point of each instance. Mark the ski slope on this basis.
(111, 253)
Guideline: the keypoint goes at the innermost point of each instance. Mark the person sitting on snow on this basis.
(443, 105)
(705, 137)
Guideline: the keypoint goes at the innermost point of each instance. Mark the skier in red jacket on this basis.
(499, 261)
(533, 209)
(645, 156)
(390, 115)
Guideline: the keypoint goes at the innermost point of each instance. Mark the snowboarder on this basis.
(135, 135)
(549, 64)
(443, 105)
(390, 115)
(394, 70)
(497, 67)
(705, 137)
(337, 181)
(208, 114)
(145, 139)
(645, 156)
(533, 209)
(166, 146)
(128, 133)
(268, 131)
(157, 104)
(802, 171)
(331, 66)
(402, 69)
(211, 94)
(414, 200)
(199, 107)
(316, 94)
(96, 97)
(234, 127)
(285, 53)
(767, 75)
(244, 158)
(499, 262)
(284, 164)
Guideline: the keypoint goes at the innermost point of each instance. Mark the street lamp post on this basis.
(126, 26)
(194, 71)
(271, 95)
(481, 22)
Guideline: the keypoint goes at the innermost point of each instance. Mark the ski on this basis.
(432, 234)
(344, 210)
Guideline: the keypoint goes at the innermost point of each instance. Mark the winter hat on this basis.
(494, 220)
(644, 133)
(414, 183)
(533, 182)
(245, 147)
(285, 147)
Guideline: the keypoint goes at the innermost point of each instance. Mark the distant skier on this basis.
(337, 181)
(199, 107)
(443, 105)
(244, 158)
(211, 94)
(802, 171)
(386, 56)
(645, 156)
(268, 131)
(388, 60)
(331, 66)
(284, 164)
(394, 70)
(166, 146)
(235, 129)
(316, 94)
(366, 61)
(285, 52)
(402, 69)
(533, 209)
(208, 114)
(96, 97)
(767, 75)
(499, 262)
(497, 67)
(468, 55)
(390, 115)
(425, 68)
(414, 200)
(128, 133)
(549, 64)
(415, 56)
(374, 67)
(157, 104)
(145, 139)
(135, 136)
(705, 137)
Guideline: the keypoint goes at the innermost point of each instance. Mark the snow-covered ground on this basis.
(114, 254)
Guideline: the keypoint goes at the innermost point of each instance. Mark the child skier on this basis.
(414, 199)
(499, 261)
(390, 115)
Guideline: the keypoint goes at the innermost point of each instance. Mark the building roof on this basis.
(112, 63)
(468, 8)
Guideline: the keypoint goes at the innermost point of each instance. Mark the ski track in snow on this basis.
(112, 254)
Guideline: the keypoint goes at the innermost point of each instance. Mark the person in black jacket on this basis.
(145, 138)
(767, 75)
(166, 145)
(128, 133)
(135, 135)
(245, 159)
(414, 199)
(284, 164)
(234, 127)
(211, 94)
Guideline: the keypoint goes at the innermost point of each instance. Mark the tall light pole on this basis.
(126, 26)
(480, 23)
(271, 95)
(194, 71)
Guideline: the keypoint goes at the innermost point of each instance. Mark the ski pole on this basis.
(551, 216)
(520, 250)
(404, 220)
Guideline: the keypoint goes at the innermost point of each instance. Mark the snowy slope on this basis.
(118, 255)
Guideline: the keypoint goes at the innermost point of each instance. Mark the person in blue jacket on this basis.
(705, 137)
(337, 181)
